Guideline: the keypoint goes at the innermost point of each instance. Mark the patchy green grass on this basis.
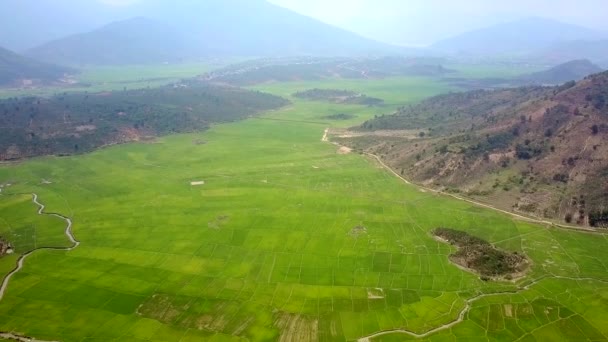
(264, 248)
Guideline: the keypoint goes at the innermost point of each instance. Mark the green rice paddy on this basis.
(271, 246)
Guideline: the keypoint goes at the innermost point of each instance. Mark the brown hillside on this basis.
(537, 150)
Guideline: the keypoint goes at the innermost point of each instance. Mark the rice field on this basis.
(284, 239)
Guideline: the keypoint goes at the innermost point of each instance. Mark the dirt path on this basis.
(512, 214)
(13, 337)
(324, 138)
(21, 260)
(467, 308)
(518, 216)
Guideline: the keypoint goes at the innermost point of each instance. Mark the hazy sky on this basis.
(421, 22)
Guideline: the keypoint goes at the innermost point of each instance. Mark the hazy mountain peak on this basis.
(195, 29)
(516, 37)
(570, 71)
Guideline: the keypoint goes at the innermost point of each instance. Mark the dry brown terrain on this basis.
(536, 151)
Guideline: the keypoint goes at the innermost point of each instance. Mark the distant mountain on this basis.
(132, 41)
(516, 38)
(593, 50)
(18, 70)
(569, 71)
(196, 29)
(29, 23)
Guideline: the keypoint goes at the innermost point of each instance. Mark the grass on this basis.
(496, 70)
(264, 249)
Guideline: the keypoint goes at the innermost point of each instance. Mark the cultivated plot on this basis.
(285, 239)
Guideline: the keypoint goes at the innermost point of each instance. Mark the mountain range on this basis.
(154, 31)
(16, 70)
(516, 38)
(196, 29)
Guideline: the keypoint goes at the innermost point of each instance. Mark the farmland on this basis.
(264, 232)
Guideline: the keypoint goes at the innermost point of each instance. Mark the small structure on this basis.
(197, 183)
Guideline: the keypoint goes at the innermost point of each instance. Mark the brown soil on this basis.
(344, 150)
(297, 327)
(5, 247)
(358, 231)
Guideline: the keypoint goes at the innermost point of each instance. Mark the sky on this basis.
(422, 22)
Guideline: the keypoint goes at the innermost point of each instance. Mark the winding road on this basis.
(21, 260)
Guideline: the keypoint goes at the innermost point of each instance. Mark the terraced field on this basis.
(285, 240)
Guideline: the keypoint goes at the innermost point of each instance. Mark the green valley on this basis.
(266, 232)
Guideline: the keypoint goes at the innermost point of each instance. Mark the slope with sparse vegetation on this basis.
(574, 70)
(536, 150)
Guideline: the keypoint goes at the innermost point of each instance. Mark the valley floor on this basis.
(281, 238)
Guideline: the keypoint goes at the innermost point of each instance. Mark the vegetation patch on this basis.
(599, 218)
(218, 222)
(80, 122)
(340, 116)
(358, 231)
(482, 257)
(339, 96)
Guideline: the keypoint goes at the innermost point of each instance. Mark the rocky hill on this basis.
(570, 71)
(541, 151)
(593, 50)
(79, 122)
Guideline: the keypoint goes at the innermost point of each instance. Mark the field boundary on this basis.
(467, 308)
(21, 260)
